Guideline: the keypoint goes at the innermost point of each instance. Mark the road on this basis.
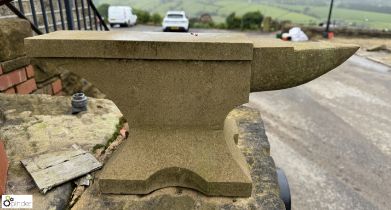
(332, 136)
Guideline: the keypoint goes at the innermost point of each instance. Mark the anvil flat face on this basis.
(176, 90)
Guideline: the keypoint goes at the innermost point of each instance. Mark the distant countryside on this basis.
(373, 14)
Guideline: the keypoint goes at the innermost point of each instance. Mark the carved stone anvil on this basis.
(176, 90)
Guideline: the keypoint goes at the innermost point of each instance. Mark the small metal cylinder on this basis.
(79, 103)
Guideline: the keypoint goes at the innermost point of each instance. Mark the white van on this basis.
(121, 15)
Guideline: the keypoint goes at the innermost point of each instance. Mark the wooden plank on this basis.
(52, 169)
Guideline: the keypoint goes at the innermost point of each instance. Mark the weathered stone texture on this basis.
(36, 124)
(279, 65)
(252, 142)
(142, 45)
(12, 33)
(16, 63)
(163, 158)
(172, 98)
(190, 89)
(177, 92)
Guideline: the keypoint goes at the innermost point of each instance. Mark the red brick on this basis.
(26, 87)
(30, 71)
(3, 168)
(12, 78)
(10, 91)
(4, 82)
(57, 86)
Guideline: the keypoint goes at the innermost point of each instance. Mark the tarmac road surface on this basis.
(331, 136)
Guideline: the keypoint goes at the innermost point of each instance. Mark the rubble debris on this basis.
(102, 154)
(124, 133)
(55, 168)
(76, 194)
(84, 181)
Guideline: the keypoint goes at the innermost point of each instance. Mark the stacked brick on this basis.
(17, 75)
(51, 87)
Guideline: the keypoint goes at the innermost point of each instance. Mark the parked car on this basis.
(175, 21)
(121, 15)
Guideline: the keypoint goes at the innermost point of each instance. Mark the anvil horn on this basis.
(278, 65)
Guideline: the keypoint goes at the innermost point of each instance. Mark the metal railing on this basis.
(52, 15)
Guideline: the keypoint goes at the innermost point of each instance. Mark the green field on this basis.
(220, 9)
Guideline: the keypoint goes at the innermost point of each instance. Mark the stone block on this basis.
(251, 141)
(142, 45)
(163, 160)
(12, 33)
(211, 87)
(278, 64)
(44, 73)
(16, 63)
(45, 90)
(177, 92)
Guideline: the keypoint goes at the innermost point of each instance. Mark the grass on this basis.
(370, 19)
(113, 137)
(295, 13)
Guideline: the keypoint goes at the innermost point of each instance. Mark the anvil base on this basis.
(201, 159)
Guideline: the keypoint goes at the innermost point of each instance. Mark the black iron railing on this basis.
(52, 15)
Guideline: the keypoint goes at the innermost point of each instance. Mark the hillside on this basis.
(298, 11)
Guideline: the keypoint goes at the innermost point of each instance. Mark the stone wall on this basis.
(17, 74)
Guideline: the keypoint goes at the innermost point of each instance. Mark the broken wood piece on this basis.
(55, 168)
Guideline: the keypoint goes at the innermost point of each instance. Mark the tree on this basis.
(232, 21)
(156, 19)
(251, 20)
(103, 10)
(142, 16)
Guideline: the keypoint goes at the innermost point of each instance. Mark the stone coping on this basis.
(141, 45)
